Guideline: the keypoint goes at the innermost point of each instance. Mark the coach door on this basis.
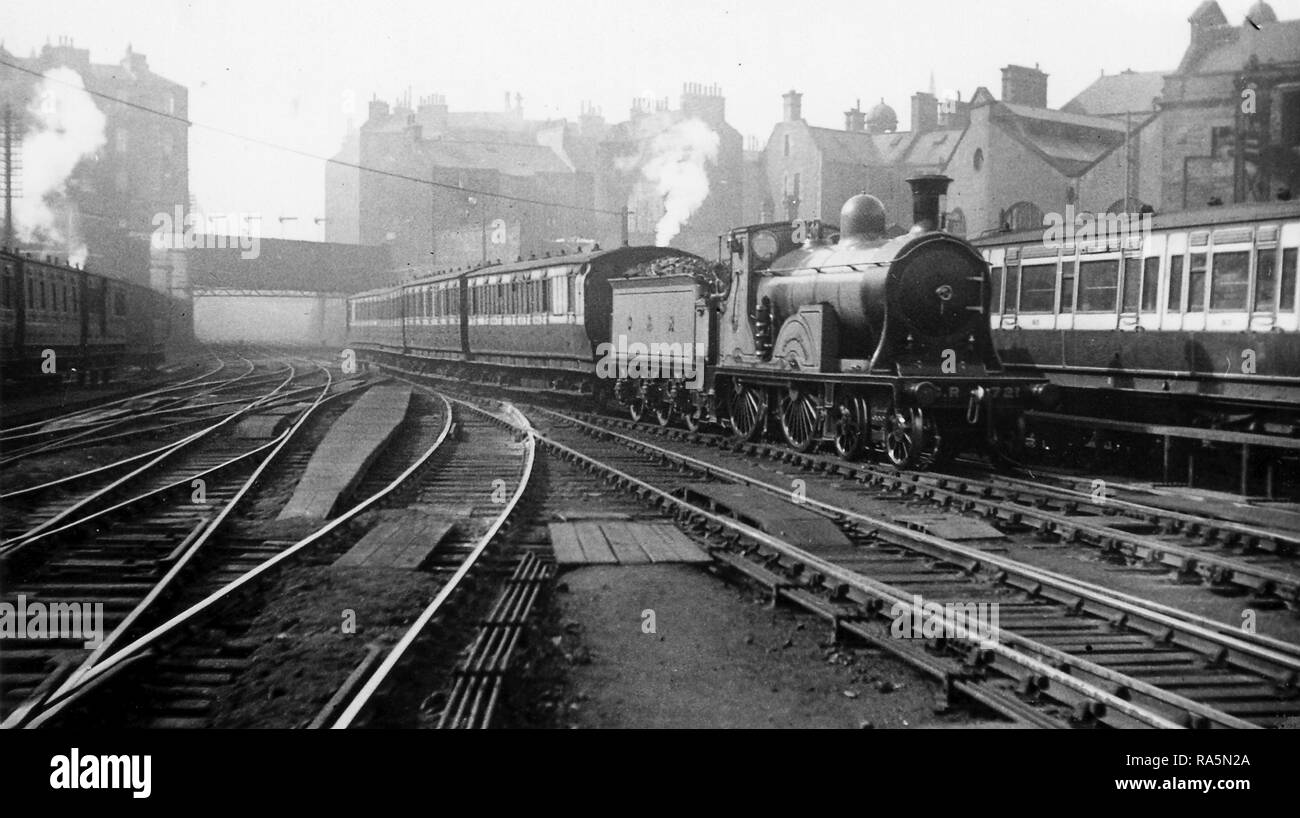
(1287, 318)
(1264, 281)
(1130, 288)
(1175, 282)
(1153, 253)
(1198, 281)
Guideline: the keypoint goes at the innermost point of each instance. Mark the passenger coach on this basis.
(1197, 317)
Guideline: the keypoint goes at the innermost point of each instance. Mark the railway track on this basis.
(1066, 653)
(41, 507)
(1222, 555)
(137, 546)
(82, 405)
(153, 416)
(174, 672)
(235, 368)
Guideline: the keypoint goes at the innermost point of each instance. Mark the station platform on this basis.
(350, 446)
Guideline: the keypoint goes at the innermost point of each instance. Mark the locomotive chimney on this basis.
(927, 192)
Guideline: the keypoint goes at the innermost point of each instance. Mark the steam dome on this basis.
(863, 216)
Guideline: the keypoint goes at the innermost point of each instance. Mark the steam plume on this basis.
(673, 159)
(65, 126)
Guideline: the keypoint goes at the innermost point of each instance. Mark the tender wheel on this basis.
(799, 421)
(639, 407)
(911, 439)
(748, 413)
(694, 418)
(665, 408)
(853, 433)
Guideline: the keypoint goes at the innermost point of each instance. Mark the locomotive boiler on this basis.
(859, 340)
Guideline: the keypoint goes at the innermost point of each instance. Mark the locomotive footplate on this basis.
(937, 390)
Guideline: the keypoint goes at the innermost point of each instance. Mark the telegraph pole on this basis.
(622, 224)
(9, 237)
(1128, 162)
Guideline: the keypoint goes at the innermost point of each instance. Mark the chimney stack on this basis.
(1024, 86)
(925, 112)
(793, 109)
(705, 102)
(854, 119)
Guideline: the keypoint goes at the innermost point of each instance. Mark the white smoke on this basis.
(673, 159)
(66, 126)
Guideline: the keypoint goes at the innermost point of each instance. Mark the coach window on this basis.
(1175, 303)
(1288, 288)
(1098, 285)
(1150, 284)
(119, 303)
(995, 287)
(578, 305)
(1067, 286)
(1266, 280)
(1038, 288)
(5, 283)
(556, 284)
(568, 291)
(1196, 283)
(1229, 281)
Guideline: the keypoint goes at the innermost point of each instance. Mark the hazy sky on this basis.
(294, 73)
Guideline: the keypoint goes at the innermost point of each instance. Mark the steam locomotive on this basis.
(860, 341)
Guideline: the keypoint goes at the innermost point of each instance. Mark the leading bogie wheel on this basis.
(911, 439)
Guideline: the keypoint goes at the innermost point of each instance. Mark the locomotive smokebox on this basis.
(927, 194)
